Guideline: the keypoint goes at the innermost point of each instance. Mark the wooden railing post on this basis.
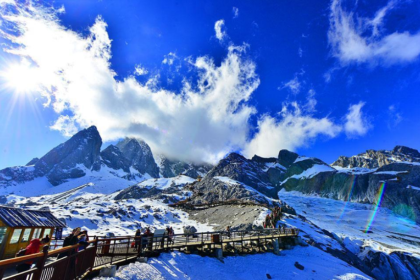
(92, 261)
(40, 263)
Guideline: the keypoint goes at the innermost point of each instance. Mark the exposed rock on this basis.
(32, 162)
(113, 158)
(240, 169)
(373, 159)
(171, 168)
(286, 158)
(62, 162)
(140, 156)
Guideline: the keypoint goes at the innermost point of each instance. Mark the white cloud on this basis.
(293, 129)
(219, 28)
(356, 124)
(311, 101)
(394, 117)
(300, 52)
(359, 40)
(170, 58)
(235, 12)
(293, 85)
(66, 125)
(202, 123)
(140, 71)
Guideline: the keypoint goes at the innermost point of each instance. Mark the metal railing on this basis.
(71, 263)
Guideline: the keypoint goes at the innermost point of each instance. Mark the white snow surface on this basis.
(413, 188)
(391, 172)
(104, 181)
(100, 213)
(310, 172)
(317, 265)
(388, 232)
(301, 158)
(354, 170)
(164, 183)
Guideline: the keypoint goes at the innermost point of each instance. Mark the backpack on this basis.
(21, 252)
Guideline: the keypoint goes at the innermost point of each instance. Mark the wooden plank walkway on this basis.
(117, 250)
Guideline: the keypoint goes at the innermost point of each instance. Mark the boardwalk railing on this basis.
(72, 262)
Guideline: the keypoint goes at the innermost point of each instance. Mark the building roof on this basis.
(16, 217)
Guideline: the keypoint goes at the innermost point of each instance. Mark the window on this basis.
(37, 233)
(2, 233)
(47, 231)
(26, 235)
(15, 236)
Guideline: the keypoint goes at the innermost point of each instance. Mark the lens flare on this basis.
(348, 198)
(21, 77)
(379, 197)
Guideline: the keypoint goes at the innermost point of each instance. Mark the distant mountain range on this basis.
(359, 178)
(80, 160)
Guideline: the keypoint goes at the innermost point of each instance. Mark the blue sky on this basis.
(197, 80)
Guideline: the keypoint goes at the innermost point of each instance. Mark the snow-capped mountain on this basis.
(373, 159)
(80, 161)
(125, 186)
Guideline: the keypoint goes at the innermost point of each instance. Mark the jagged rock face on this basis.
(32, 162)
(140, 156)
(397, 265)
(297, 167)
(171, 168)
(398, 196)
(113, 158)
(246, 171)
(212, 190)
(61, 162)
(373, 159)
(18, 174)
(286, 158)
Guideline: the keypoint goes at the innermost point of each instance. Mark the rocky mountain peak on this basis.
(287, 158)
(61, 162)
(406, 151)
(32, 162)
(374, 159)
(139, 155)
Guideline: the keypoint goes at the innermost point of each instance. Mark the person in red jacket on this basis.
(32, 248)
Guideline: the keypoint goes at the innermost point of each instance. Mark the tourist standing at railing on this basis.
(137, 238)
(171, 235)
(32, 248)
(70, 241)
(83, 241)
(228, 231)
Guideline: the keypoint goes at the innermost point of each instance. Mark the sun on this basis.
(20, 77)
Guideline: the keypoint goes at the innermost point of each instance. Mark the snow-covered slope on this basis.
(257, 267)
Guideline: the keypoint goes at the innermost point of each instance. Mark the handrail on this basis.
(109, 250)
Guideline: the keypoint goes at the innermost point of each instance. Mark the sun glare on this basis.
(20, 77)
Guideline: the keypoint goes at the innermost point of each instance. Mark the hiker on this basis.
(228, 231)
(70, 241)
(46, 239)
(32, 248)
(137, 238)
(83, 240)
(171, 235)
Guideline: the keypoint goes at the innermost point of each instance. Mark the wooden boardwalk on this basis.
(118, 250)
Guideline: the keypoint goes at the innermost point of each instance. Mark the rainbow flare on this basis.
(379, 197)
(348, 198)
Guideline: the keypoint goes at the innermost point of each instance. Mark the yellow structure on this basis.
(19, 226)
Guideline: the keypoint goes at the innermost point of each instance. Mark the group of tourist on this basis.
(143, 238)
(272, 219)
(77, 236)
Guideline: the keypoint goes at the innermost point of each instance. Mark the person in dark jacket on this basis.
(137, 238)
(70, 241)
